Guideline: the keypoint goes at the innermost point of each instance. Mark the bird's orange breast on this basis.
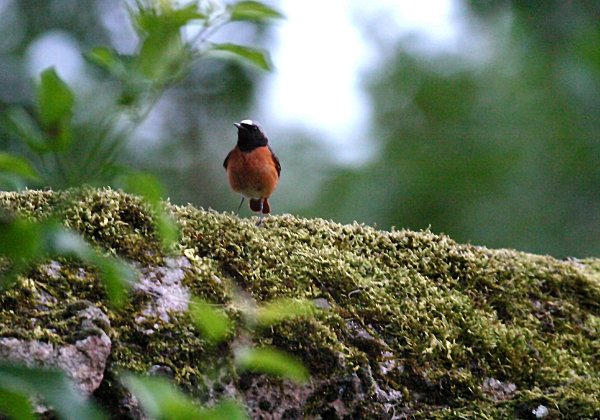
(253, 174)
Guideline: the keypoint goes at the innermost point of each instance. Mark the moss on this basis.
(407, 311)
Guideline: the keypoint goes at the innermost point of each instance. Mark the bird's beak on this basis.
(238, 125)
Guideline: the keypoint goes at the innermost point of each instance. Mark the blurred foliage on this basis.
(69, 143)
(272, 361)
(499, 149)
(214, 323)
(18, 381)
(25, 243)
(216, 327)
(161, 400)
(58, 136)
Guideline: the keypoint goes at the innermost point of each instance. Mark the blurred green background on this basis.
(495, 142)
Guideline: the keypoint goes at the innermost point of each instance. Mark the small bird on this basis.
(252, 167)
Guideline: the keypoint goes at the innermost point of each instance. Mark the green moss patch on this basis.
(407, 312)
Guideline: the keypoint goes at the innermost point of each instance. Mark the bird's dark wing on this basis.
(226, 159)
(276, 162)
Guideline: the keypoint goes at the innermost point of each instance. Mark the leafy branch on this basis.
(163, 57)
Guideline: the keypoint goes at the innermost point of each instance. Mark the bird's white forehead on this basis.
(247, 122)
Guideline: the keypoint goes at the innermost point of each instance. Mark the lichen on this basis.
(417, 323)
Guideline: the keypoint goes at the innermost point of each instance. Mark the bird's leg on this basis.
(240, 206)
(260, 214)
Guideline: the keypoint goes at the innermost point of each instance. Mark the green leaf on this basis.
(229, 410)
(163, 54)
(122, 67)
(22, 243)
(281, 309)
(160, 399)
(15, 405)
(49, 384)
(116, 274)
(213, 323)
(151, 20)
(60, 136)
(107, 59)
(150, 188)
(22, 125)
(168, 231)
(118, 277)
(160, 56)
(144, 185)
(272, 361)
(259, 58)
(253, 11)
(55, 102)
(21, 239)
(55, 99)
(17, 165)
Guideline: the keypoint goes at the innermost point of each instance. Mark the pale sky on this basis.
(321, 54)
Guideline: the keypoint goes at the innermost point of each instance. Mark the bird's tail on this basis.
(260, 205)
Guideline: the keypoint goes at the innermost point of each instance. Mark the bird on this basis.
(252, 168)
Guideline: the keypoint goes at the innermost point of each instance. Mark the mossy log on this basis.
(409, 325)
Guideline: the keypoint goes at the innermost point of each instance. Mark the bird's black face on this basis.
(250, 135)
